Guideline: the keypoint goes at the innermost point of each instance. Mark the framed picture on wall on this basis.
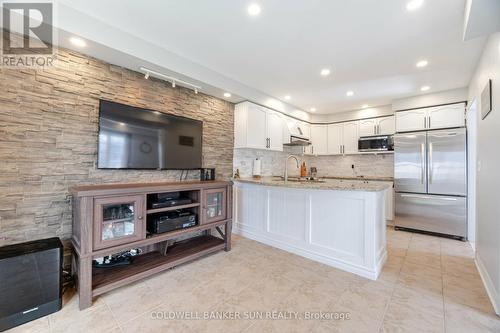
(486, 102)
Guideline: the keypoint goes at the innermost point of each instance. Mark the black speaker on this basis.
(30, 281)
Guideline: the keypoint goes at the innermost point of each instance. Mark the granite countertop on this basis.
(382, 179)
(325, 184)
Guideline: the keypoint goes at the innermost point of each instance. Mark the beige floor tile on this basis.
(467, 291)
(463, 319)
(154, 322)
(412, 311)
(139, 296)
(427, 284)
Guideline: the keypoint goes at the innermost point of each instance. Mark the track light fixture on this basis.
(148, 72)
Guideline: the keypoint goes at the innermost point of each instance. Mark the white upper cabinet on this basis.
(377, 126)
(257, 127)
(386, 125)
(445, 116)
(343, 138)
(412, 120)
(335, 133)
(350, 138)
(275, 125)
(367, 127)
(319, 137)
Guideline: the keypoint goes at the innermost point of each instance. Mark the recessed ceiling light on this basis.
(422, 63)
(77, 42)
(254, 9)
(325, 72)
(312, 109)
(414, 4)
(364, 106)
(350, 93)
(425, 88)
(288, 97)
(227, 95)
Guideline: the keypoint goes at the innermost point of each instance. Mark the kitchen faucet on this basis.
(286, 165)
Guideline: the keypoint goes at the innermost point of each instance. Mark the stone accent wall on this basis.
(48, 137)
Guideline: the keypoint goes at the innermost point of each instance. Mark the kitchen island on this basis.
(338, 222)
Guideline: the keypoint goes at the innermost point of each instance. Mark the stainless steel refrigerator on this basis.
(431, 181)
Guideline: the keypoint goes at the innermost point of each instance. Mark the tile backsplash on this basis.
(367, 165)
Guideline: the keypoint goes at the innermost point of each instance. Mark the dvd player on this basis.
(170, 221)
(171, 203)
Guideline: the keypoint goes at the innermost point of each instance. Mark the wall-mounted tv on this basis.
(137, 138)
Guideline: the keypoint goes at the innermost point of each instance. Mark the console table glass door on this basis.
(118, 220)
(214, 205)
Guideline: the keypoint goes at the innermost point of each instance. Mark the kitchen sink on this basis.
(300, 179)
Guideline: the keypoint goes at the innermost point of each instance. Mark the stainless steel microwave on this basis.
(376, 143)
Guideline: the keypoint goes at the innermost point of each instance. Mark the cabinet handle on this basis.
(378, 129)
(425, 122)
(375, 129)
(139, 217)
(429, 121)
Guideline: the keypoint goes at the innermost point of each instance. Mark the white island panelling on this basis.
(341, 228)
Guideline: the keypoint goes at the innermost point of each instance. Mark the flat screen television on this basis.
(137, 138)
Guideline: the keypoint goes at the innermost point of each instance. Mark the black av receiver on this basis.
(170, 221)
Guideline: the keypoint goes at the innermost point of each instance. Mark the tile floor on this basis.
(428, 284)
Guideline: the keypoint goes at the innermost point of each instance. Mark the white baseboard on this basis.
(493, 294)
(358, 270)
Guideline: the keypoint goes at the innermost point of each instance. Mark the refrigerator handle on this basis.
(422, 154)
(430, 162)
(416, 196)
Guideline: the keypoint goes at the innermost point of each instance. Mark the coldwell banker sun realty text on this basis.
(27, 34)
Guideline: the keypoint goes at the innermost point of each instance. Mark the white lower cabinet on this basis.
(343, 229)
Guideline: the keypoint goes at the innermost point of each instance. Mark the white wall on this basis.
(442, 97)
(488, 171)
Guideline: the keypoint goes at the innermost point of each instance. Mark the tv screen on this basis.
(136, 138)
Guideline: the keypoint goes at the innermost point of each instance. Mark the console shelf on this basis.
(168, 209)
(105, 279)
(92, 238)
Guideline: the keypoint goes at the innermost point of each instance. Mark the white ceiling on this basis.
(371, 46)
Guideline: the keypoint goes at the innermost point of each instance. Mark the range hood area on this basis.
(296, 135)
(297, 141)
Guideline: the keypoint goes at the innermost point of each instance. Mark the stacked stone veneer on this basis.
(48, 137)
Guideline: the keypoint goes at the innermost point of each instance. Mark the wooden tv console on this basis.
(112, 218)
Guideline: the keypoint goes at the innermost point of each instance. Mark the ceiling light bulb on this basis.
(254, 9)
(173, 84)
(288, 97)
(227, 95)
(78, 42)
(364, 106)
(350, 93)
(425, 88)
(422, 63)
(414, 4)
(312, 109)
(325, 72)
